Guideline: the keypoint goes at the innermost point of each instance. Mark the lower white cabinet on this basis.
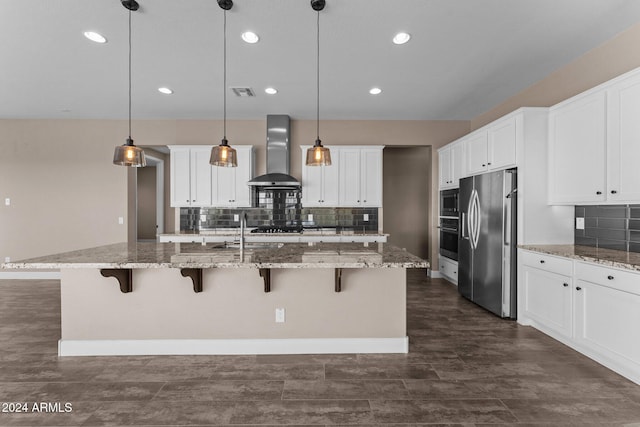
(448, 269)
(592, 308)
(547, 297)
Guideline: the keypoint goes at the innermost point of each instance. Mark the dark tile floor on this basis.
(465, 368)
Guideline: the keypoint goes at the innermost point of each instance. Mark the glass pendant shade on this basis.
(129, 155)
(224, 155)
(318, 155)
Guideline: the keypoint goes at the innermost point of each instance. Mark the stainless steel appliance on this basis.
(449, 202)
(449, 238)
(487, 243)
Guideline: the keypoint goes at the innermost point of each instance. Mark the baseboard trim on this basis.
(232, 346)
(435, 274)
(30, 275)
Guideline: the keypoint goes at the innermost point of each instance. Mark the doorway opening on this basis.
(406, 193)
(150, 199)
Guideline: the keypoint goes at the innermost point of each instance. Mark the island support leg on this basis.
(265, 273)
(338, 280)
(196, 276)
(124, 276)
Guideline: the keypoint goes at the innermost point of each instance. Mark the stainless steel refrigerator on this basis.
(487, 241)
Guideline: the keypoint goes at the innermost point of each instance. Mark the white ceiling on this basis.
(465, 56)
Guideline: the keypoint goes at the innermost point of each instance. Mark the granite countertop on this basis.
(607, 257)
(196, 255)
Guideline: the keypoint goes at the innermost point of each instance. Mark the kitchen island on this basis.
(188, 298)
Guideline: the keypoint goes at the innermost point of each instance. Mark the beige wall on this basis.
(615, 57)
(66, 194)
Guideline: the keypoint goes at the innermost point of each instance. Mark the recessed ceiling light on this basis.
(95, 37)
(271, 90)
(165, 90)
(375, 91)
(250, 37)
(401, 38)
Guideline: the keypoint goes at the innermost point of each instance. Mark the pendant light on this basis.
(224, 155)
(318, 155)
(128, 154)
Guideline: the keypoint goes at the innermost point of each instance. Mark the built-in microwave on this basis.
(449, 202)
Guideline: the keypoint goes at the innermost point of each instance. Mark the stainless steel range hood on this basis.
(278, 155)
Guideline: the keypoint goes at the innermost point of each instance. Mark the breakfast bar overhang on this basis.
(186, 298)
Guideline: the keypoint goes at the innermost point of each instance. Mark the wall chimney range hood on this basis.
(278, 155)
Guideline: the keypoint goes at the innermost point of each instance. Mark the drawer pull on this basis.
(598, 192)
(610, 277)
(565, 285)
(541, 261)
(578, 288)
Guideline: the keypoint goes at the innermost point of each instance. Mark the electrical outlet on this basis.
(310, 217)
(579, 223)
(120, 220)
(279, 315)
(7, 202)
(236, 217)
(7, 259)
(365, 217)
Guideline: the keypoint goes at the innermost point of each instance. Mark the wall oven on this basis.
(449, 202)
(449, 238)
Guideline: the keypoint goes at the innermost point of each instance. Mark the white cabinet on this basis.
(320, 183)
(360, 176)
(623, 140)
(477, 152)
(229, 185)
(195, 183)
(493, 147)
(448, 269)
(577, 153)
(190, 176)
(607, 312)
(592, 308)
(451, 161)
(547, 293)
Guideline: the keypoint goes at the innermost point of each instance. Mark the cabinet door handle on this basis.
(364, 201)
(358, 201)
(541, 261)
(610, 277)
(613, 191)
(489, 163)
(483, 165)
(578, 288)
(565, 285)
(598, 192)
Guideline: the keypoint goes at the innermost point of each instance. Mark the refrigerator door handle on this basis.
(476, 219)
(462, 236)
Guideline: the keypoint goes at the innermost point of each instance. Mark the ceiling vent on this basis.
(243, 92)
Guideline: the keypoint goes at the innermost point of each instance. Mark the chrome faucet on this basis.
(243, 225)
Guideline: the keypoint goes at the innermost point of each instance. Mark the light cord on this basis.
(318, 81)
(129, 73)
(224, 84)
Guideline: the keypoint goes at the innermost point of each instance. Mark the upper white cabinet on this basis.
(320, 183)
(360, 176)
(476, 152)
(623, 140)
(492, 147)
(190, 176)
(195, 183)
(353, 179)
(577, 152)
(229, 185)
(451, 161)
(593, 145)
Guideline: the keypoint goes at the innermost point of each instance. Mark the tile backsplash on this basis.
(192, 219)
(609, 226)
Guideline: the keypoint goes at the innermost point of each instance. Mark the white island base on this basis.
(233, 314)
